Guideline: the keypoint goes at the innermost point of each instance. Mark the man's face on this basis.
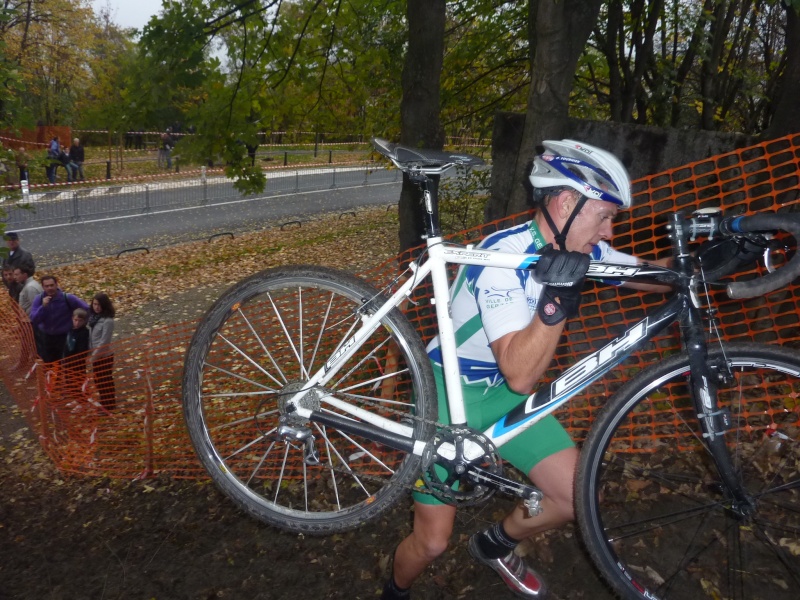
(8, 276)
(12, 245)
(20, 276)
(78, 322)
(595, 222)
(50, 287)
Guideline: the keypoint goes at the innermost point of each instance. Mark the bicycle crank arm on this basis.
(531, 496)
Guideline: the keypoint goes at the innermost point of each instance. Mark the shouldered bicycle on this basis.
(310, 401)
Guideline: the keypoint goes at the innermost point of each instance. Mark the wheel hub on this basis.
(310, 401)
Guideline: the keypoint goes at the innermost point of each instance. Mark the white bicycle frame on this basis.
(440, 254)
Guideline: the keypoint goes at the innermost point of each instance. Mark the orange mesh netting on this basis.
(145, 434)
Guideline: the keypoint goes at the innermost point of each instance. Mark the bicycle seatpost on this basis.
(429, 186)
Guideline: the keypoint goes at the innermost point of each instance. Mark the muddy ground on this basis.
(69, 538)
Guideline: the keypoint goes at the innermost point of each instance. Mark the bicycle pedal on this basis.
(534, 503)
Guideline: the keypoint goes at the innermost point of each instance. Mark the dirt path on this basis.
(69, 538)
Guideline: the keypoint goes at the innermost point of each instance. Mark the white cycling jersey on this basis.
(487, 303)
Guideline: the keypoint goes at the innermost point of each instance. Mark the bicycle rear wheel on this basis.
(650, 503)
(259, 343)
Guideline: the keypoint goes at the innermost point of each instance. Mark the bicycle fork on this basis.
(715, 420)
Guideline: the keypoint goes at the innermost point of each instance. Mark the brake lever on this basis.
(772, 246)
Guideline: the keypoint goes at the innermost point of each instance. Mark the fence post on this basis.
(205, 184)
(76, 216)
(330, 156)
(316, 143)
(149, 414)
(285, 158)
(146, 198)
(297, 181)
(108, 169)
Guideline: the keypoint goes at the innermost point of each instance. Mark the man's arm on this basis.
(523, 356)
(36, 309)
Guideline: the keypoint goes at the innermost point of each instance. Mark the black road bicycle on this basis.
(311, 402)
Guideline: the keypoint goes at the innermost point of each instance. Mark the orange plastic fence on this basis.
(145, 433)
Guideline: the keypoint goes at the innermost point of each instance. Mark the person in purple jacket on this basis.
(51, 316)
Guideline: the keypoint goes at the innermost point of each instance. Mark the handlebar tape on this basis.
(764, 222)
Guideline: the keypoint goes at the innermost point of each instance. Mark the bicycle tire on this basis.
(649, 501)
(250, 346)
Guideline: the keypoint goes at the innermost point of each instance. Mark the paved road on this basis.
(82, 241)
(64, 205)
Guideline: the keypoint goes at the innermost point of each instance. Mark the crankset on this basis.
(461, 466)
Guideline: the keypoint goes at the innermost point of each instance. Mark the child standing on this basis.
(74, 357)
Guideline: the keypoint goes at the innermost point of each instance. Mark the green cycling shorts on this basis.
(484, 406)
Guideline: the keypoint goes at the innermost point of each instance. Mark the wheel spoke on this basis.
(342, 460)
(248, 445)
(655, 510)
(286, 333)
(263, 347)
(255, 349)
(283, 470)
(260, 463)
(247, 419)
(248, 359)
(780, 553)
(322, 328)
(243, 378)
(360, 363)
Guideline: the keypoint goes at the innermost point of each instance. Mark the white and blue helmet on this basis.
(592, 172)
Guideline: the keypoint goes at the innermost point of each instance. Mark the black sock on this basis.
(495, 542)
(391, 591)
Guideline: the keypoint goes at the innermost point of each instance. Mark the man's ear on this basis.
(564, 203)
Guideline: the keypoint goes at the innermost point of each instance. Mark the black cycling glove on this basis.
(562, 273)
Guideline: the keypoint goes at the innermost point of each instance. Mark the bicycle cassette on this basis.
(447, 462)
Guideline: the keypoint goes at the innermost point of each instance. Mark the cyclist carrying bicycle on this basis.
(508, 324)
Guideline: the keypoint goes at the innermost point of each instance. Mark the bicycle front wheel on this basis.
(651, 506)
(259, 343)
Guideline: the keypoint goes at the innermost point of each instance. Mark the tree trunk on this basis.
(786, 118)
(559, 34)
(419, 109)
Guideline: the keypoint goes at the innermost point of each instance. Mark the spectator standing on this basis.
(65, 161)
(101, 325)
(22, 163)
(167, 144)
(53, 154)
(29, 290)
(76, 158)
(17, 255)
(76, 346)
(11, 285)
(51, 315)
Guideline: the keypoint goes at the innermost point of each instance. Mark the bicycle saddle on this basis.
(403, 156)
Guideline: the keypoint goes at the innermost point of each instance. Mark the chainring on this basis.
(447, 460)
